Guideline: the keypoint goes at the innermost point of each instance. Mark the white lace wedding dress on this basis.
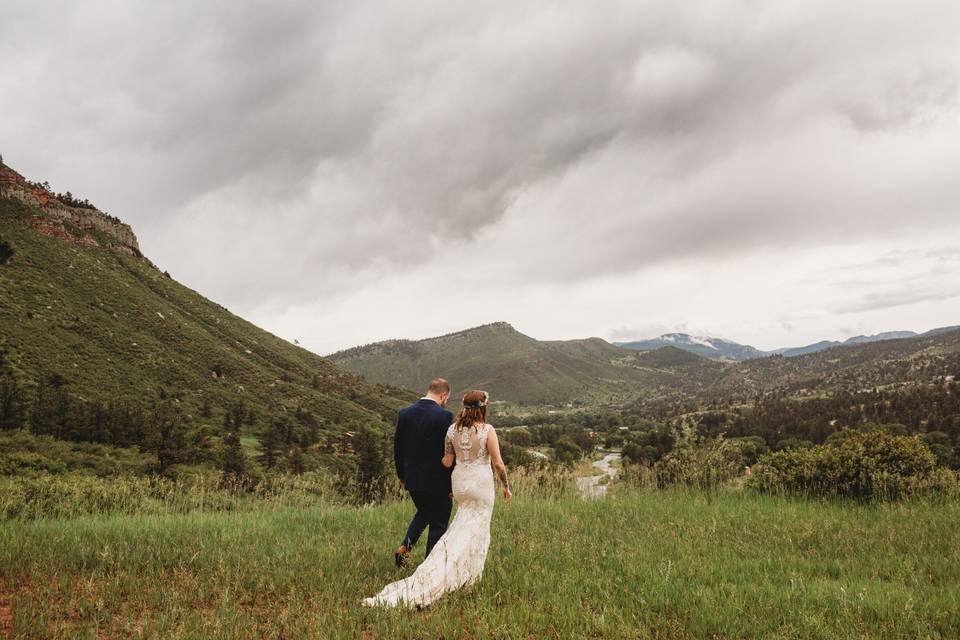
(458, 557)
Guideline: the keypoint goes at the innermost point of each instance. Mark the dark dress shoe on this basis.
(401, 556)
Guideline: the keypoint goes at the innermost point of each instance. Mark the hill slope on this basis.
(78, 300)
(847, 367)
(500, 359)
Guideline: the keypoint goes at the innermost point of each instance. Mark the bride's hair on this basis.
(473, 410)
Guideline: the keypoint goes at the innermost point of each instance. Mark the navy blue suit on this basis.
(417, 449)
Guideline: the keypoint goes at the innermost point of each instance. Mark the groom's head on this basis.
(439, 390)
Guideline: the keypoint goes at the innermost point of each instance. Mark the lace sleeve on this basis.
(448, 445)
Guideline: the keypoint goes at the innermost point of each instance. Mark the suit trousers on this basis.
(433, 510)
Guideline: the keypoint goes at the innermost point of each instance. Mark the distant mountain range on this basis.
(719, 348)
(700, 345)
(518, 368)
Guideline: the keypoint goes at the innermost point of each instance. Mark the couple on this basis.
(427, 444)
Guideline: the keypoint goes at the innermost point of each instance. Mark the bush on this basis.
(640, 454)
(566, 451)
(695, 461)
(515, 456)
(751, 448)
(863, 466)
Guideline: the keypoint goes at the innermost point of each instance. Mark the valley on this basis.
(691, 270)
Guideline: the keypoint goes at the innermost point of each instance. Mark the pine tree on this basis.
(309, 433)
(234, 464)
(296, 460)
(371, 472)
(234, 418)
(13, 410)
(273, 441)
(166, 436)
(233, 461)
(6, 251)
(51, 407)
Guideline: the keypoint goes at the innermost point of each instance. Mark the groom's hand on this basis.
(403, 485)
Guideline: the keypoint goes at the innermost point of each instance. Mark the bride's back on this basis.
(469, 444)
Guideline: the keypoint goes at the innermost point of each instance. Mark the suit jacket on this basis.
(418, 447)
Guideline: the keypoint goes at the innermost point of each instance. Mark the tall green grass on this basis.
(50, 496)
(73, 495)
(638, 564)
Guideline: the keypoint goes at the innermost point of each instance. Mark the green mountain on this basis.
(849, 368)
(510, 365)
(79, 303)
(521, 369)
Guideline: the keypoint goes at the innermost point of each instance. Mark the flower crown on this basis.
(476, 404)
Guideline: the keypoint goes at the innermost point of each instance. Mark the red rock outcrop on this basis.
(14, 185)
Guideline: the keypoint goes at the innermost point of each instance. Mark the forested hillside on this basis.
(97, 344)
(509, 364)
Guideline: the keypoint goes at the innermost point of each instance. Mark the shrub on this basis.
(695, 460)
(639, 454)
(751, 448)
(517, 456)
(699, 462)
(566, 450)
(863, 466)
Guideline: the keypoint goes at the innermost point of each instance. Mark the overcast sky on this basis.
(344, 172)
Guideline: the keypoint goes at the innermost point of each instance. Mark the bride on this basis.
(458, 557)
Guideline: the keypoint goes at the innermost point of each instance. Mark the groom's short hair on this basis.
(438, 386)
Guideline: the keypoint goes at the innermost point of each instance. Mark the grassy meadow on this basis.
(639, 564)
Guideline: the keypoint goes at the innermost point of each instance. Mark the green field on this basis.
(640, 563)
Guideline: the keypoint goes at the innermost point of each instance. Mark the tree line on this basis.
(160, 427)
(778, 422)
(293, 442)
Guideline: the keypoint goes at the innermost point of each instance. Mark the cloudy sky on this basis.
(345, 172)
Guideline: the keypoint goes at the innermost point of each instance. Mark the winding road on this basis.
(590, 486)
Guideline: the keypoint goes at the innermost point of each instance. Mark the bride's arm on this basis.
(493, 448)
(449, 455)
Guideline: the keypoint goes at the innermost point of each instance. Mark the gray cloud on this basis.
(900, 278)
(897, 297)
(272, 153)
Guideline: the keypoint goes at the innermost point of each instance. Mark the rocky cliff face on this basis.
(97, 228)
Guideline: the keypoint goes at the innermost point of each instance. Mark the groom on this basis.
(417, 450)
